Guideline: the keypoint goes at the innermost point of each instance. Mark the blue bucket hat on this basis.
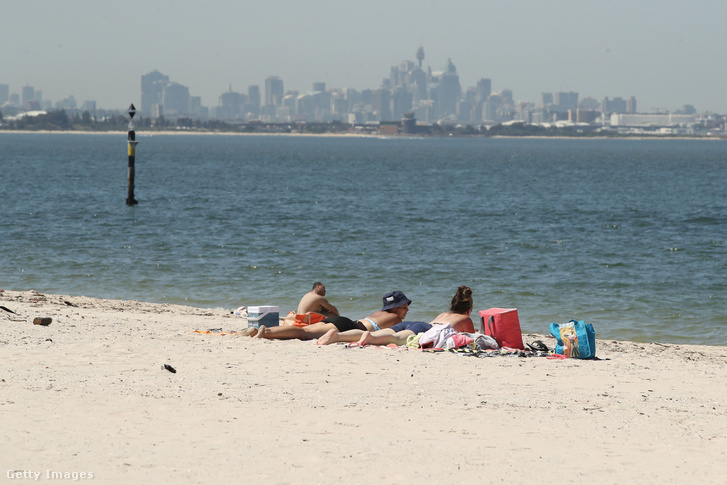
(395, 299)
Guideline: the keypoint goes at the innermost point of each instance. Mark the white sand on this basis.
(87, 394)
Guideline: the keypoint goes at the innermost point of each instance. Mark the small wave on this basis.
(612, 265)
(706, 221)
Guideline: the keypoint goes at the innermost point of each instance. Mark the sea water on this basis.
(626, 234)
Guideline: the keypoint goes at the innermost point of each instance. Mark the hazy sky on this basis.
(666, 53)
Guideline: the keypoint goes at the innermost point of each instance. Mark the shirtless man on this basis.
(315, 301)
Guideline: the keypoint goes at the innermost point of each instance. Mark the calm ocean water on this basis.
(626, 234)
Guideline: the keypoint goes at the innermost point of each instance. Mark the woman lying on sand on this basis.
(395, 308)
(458, 316)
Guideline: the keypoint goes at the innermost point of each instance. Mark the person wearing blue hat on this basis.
(395, 299)
(394, 309)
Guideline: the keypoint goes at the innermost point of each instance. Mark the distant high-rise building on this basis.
(251, 109)
(230, 105)
(631, 105)
(417, 82)
(524, 111)
(274, 91)
(449, 91)
(615, 105)
(31, 99)
(401, 102)
(152, 87)
(4, 93)
(399, 74)
(28, 94)
(67, 103)
(195, 106)
(546, 99)
(253, 95)
(89, 106)
(566, 101)
(489, 112)
(506, 96)
(290, 100)
(464, 110)
(583, 115)
(339, 105)
(305, 106)
(175, 98)
(322, 101)
(588, 103)
(484, 89)
(380, 103)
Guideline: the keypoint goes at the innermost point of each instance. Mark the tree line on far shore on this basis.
(59, 120)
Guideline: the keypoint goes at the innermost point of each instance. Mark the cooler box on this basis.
(263, 315)
(503, 325)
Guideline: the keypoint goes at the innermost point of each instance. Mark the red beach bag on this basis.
(503, 325)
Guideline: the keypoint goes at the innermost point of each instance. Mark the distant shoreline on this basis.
(360, 135)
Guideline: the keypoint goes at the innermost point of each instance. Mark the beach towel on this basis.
(305, 319)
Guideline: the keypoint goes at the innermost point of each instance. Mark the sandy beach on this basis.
(86, 398)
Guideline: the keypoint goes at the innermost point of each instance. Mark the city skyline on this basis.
(664, 57)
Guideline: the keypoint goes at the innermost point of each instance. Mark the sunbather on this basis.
(458, 317)
(395, 308)
(315, 301)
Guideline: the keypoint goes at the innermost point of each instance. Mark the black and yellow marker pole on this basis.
(130, 200)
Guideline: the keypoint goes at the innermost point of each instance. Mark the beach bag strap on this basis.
(490, 326)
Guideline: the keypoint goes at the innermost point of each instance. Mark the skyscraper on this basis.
(175, 98)
(484, 89)
(152, 87)
(380, 103)
(273, 91)
(4, 93)
(252, 108)
(631, 105)
(253, 95)
(566, 101)
(230, 105)
(450, 91)
(28, 94)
